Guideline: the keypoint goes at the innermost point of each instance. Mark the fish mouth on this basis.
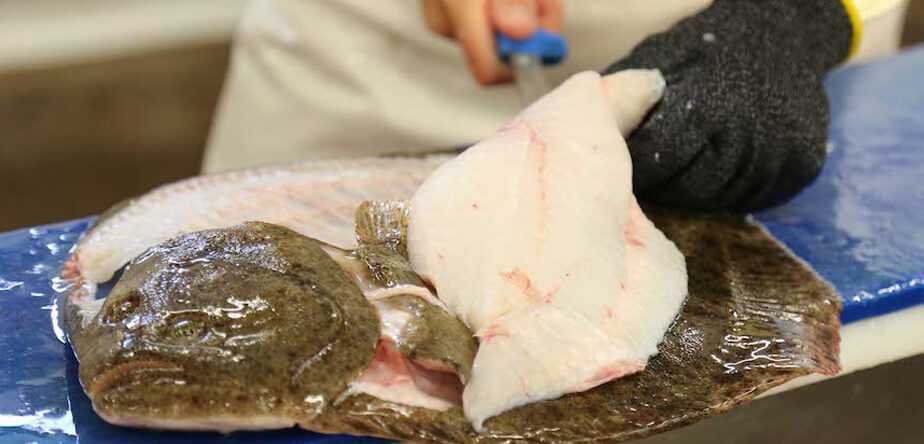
(436, 379)
(159, 394)
(218, 423)
(129, 371)
(120, 397)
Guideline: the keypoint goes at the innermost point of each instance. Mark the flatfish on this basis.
(755, 316)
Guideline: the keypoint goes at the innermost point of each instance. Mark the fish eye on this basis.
(184, 327)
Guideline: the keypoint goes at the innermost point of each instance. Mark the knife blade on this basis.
(529, 77)
(527, 58)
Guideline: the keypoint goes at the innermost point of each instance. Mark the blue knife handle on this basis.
(548, 46)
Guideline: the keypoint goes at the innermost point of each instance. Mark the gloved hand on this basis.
(744, 119)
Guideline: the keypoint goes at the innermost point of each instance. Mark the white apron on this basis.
(314, 79)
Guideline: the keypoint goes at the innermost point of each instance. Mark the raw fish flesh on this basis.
(534, 239)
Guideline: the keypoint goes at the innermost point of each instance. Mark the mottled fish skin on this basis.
(756, 317)
(383, 223)
(432, 337)
(252, 326)
(388, 268)
(381, 233)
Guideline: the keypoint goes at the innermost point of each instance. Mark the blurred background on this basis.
(101, 100)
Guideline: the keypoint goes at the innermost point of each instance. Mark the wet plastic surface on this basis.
(859, 226)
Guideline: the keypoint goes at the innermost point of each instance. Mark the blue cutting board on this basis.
(860, 225)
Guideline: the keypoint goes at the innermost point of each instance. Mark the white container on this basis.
(883, 23)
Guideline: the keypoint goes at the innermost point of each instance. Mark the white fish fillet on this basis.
(534, 239)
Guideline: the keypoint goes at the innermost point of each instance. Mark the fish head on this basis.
(229, 326)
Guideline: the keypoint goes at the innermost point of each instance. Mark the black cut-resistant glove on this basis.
(744, 119)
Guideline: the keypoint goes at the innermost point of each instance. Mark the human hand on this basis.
(744, 118)
(473, 23)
